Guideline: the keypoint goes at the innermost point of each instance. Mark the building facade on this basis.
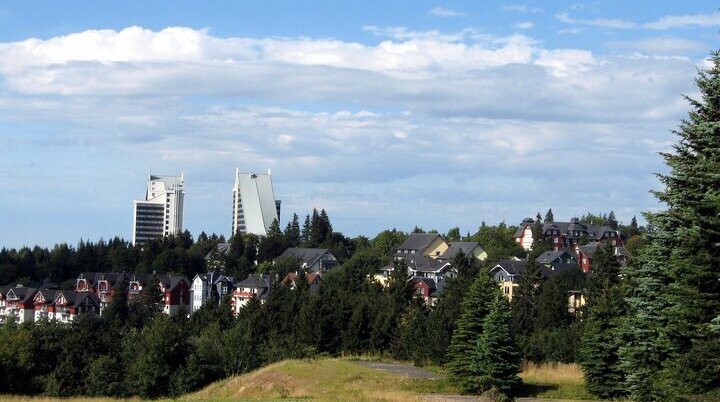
(254, 204)
(161, 212)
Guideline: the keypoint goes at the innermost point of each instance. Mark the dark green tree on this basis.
(679, 283)
(549, 218)
(604, 310)
(463, 356)
(498, 354)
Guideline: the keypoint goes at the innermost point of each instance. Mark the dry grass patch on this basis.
(554, 380)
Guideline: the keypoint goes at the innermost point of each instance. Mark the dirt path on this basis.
(401, 369)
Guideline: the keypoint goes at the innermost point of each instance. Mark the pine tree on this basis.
(292, 232)
(549, 218)
(611, 220)
(498, 354)
(687, 254)
(526, 299)
(463, 353)
(600, 359)
(305, 232)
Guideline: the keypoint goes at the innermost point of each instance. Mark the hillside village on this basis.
(428, 258)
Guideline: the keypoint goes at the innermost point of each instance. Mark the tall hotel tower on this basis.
(161, 212)
(254, 204)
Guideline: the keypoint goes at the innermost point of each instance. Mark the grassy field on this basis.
(343, 380)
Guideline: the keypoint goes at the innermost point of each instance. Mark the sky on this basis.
(386, 114)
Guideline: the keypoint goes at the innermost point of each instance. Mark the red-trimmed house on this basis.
(19, 304)
(428, 289)
(103, 284)
(176, 293)
(253, 286)
(64, 306)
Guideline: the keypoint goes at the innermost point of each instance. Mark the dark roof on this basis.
(552, 255)
(455, 247)
(512, 267)
(48, 295)
(307, 255)
(80, 298)
(4, 290)
(70, 296)
(423, 263)
(556, 269)
(588, 249)
(94, 277)
(171, 281)
(23, 294)
(253, 281)
(427, 281)
(418, 241)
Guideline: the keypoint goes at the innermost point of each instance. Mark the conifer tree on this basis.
(292, 232)
(526, 298)
(604, 376)
(549, 218)
(305, 232)
(462, 353)
(686, 297)
(498, 354)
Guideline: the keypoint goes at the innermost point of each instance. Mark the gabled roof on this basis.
(47, 295)
(418, 241)
(424, 263)
(435, 287)
(4, 290)
(308, 255)
(67, 295)
(588, 249)
(466, 247)
(512, 267)
(170, 282)
(21, 293)
(81, 297)
(526, 222)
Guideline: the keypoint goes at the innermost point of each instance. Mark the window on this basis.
(507, 290)
(584, 260)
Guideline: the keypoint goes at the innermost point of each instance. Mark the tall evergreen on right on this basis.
(672, 346)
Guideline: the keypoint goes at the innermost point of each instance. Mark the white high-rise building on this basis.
(161, 212)
(254, 204)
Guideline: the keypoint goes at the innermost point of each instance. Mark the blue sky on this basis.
(436, 114)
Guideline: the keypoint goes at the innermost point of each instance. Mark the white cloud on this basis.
(682, 21)
(446, 12)
(413, 111)
(661, 45)
(521, 8)
(524, 25)
(597, 22)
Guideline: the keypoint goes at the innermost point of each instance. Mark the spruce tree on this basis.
(549, 218)
(687, 298)
(526, 298)
(498, 354)
(305, 232)
(600, 359)
(463, 352)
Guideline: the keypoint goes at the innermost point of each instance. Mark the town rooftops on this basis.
(171, 281)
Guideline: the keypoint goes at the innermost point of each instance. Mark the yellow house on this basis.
(506, 274)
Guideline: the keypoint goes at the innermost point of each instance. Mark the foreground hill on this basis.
(318, 380)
